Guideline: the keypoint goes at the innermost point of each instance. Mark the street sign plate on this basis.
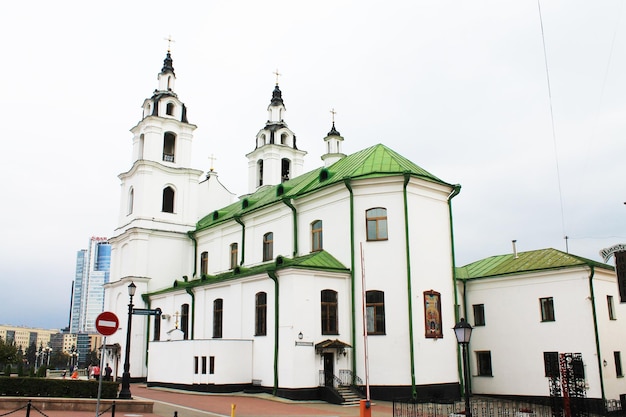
(147, 312)
(107, 323)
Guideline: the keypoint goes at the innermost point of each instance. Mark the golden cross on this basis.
(277, 75)
(176, 315)
(169, 42)
(333, 113)
(212, 159)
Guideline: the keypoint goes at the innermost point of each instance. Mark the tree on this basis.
(8, 352)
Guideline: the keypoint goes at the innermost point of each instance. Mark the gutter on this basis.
(595, 330)
(243, 238)
(274, 277)
(193, 310)
(192, 236)
(348, 185)
(407, 177)
(288, 203)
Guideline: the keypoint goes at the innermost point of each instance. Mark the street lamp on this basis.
(125, 391)
(463, 332)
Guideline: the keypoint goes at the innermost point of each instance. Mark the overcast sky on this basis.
(458, 87)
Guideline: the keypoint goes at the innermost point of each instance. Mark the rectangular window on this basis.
(211, 365)
(618, 364)
(483, 360)
(547, 309)
(329, 303)
(376, 223)
(260, 319)
(479, 314)
(375, 312)
(204, 365)
(204, 263)
(218, 305)
(316, 236)
(268, 246)
(234, 254)
(611, 306)
(195, 364)
(551, 364)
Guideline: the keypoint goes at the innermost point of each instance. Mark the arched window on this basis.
(168, 200)
(260, 318)
(234, 255)
(262, 139)
(329, 312)
(218, 306)
(283, 139)
(169, 147)
(131, 200)
(259, 174)
(157, 328)
(375, 312)
(285, 169)
(184, 320)
(204, 263)
(268, 246)
(169, 109)
(140, 150)
(376, 219)
(316, 236)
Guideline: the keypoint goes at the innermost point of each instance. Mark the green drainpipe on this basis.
(295, 224)
(407, 177)
(346, 181)
(192, 236)
(193, 309)
(595, 329)
(243, 238)
(274, 277)
(146, 300)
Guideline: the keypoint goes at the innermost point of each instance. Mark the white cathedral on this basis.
(338, 276)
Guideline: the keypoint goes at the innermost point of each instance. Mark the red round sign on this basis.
(107, 323)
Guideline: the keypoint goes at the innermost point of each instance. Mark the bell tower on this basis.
(276, 157)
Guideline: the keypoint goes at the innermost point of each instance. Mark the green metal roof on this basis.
(318, 261)
(526, 262)
(373, 162)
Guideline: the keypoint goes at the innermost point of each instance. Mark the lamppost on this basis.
(463, 332)
(48, 350)
(125, 391)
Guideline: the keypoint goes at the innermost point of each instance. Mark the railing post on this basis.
(113, 409)
(28, 409)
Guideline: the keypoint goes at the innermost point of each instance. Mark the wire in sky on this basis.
(556, 153)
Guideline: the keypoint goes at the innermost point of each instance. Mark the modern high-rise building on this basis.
(92, 272)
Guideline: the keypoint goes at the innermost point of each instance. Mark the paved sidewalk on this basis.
(190, 404)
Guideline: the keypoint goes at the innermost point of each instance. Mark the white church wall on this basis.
(276, 219)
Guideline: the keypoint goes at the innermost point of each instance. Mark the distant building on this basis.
(92, 272)
(25, 336)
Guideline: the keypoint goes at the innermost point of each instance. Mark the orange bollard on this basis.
(232, 410)
(365, 408)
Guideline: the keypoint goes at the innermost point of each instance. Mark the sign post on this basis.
(107, 324)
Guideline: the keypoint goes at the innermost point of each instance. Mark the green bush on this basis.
(7, 370)
(66, 388)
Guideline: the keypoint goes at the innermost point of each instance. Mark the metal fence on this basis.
(491, 407)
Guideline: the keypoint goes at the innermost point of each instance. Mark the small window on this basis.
(547, 309)
(169, 145)
(234, 254)
(217, 318)
(479, 314)
(168, 200)
(617, 356)
(196, 363)
(376, 219)
(329, 312)
(169, 109)
(268, 246)
(285, 170)
(260, 319)
(204, 365)
(316, 236)
(375, 312)
(611, 307)
(211, 365)
(483, 360)
(260, 173)
(131, 201)
(551, 364)
(157, 328)
(184, 320)
(204, 263)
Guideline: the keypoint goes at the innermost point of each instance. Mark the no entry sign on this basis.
(107, 323)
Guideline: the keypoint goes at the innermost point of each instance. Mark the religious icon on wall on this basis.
(432, 314)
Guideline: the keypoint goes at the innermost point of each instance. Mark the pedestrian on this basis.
(96, 372)
(108, 373)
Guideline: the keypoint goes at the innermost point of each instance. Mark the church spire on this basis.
(333, 144)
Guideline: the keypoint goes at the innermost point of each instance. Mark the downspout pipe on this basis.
(193, 310)
(192, 236)
(274, 277)
(409, 290)
(595, 330)
(289, 204)
(243, 238)
(146, 299)
(347, 182)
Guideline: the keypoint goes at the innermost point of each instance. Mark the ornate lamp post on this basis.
(463, 332)
(125, 391)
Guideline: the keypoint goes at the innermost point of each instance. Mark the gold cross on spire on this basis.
(169, 42)
(277, 74)
(212, 159)
(333, 112)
